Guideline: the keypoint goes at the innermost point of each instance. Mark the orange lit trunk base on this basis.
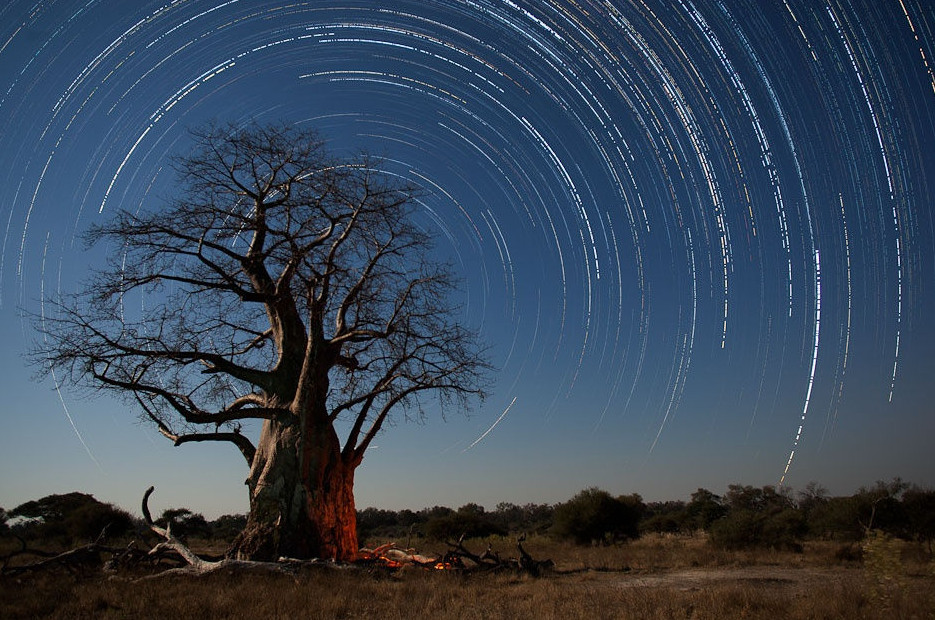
(301, 498)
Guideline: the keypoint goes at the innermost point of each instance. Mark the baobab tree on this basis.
(282, 285)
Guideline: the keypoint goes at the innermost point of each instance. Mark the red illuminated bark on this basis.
(301, 497)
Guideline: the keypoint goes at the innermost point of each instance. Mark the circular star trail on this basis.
(697, 235)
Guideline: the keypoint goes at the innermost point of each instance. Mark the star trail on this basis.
(698, 236)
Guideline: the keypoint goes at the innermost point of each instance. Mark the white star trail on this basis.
(676, 223)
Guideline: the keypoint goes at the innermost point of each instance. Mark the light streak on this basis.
(811, 372)
(627, 187)
(492, 426)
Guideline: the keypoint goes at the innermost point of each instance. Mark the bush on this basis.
(469, 521)
(665, 518)
(71, 517)
(370, 521)
(184, 523)
(227, 527)
(595, 516)
(836, 518)
(758, 518)
(704, 509)
(919, 506)
(529, 518)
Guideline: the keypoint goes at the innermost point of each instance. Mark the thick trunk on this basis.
(301, 497)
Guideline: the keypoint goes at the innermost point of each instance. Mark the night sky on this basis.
(697, 236)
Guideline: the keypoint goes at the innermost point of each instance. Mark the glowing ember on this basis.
(392, 557)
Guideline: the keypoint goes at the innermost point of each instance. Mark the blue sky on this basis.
(699, 239)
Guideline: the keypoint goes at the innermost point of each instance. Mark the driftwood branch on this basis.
(199, 566)
(490, 560)
(81, 558)
(171, 542)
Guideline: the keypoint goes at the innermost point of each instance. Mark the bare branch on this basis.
(245, 446)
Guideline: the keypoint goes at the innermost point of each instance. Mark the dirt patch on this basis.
(792, 579)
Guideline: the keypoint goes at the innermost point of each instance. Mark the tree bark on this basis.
(301, 496)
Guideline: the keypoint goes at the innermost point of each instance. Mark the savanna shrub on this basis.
(758, 518)
(469, 521)
(595, 516)
(72, 517)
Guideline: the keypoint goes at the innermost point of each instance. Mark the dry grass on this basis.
(652, 578)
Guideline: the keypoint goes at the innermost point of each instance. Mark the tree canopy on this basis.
(281, 284)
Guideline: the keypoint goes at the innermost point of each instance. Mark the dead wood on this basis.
(490, 560)
(196, 565)
(83, 558)
(530, 565)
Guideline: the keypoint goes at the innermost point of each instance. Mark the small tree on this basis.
(759, 517)
(919, 507)
(667, 517)
(836, 518)
(286, 286)
(880, 508)
(529, 518)
(703, 509)
(184, 523)
(71, 517)
(376, 522)
(228, 527)
(470, 521)
(594, 515)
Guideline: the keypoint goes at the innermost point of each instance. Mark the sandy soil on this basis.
(788, 578)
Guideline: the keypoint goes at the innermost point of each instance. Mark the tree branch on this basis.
(245, 446)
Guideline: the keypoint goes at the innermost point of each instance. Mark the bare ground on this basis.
(776, 577)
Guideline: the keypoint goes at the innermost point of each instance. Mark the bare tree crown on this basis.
(282, 282)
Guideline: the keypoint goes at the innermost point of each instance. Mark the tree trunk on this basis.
(301, 497)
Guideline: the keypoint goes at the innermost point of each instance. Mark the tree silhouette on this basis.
(282, 285)
(71, 517)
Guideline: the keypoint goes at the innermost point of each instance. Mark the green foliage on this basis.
(758, 518)
(469, 521)
(880, 507)
(665, 518)
(836, 518)
(745, 517)
(812, 497)
(378, 522)
(919, 507)
(892, 507)
(71, 517)
(704, 509)
(528, 518)
(595, 516)
(227, 527)
(184, 523)
(440, 522)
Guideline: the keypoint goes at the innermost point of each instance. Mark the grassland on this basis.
(654, 577)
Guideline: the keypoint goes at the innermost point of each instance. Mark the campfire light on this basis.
(391, 557)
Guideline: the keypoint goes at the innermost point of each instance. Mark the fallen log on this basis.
(78, 559)
(197, 565)
(489, 560)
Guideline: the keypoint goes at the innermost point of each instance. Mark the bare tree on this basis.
(282, 285)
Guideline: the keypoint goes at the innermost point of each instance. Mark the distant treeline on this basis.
(743, 517)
